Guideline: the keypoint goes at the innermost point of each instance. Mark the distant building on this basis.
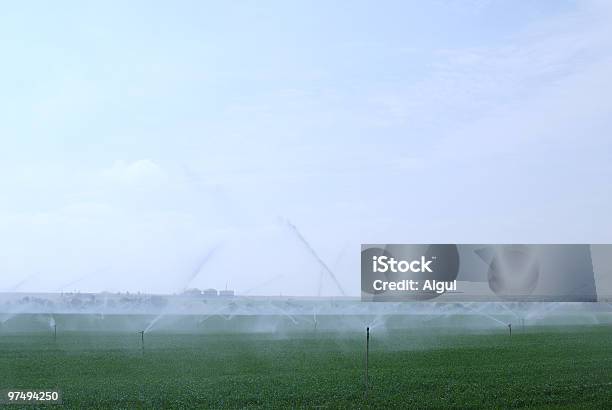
(226, 293)
(192, 292)
(210, 293)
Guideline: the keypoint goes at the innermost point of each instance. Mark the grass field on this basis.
(541, 367)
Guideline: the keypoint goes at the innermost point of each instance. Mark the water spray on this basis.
(53, 325)
(192, 276)
(366, 360)
(310, 249)
(196, 271)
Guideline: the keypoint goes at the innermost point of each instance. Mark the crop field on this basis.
(547, 367)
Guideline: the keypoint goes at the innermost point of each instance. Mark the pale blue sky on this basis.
(136, 136)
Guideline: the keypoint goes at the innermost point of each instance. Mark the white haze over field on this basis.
(151, 146)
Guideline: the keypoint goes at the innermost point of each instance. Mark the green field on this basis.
(541, 367)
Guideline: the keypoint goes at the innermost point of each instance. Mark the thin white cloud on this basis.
(135, 172)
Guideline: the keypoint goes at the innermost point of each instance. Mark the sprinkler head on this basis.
(142, 340)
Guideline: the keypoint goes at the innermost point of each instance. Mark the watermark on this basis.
(39, 396)
(486, 272)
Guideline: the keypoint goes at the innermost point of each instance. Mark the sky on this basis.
(156, 146)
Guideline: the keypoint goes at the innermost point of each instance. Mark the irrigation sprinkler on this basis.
(55, 333)
(366, 360)
(142, 341)
(510, 329)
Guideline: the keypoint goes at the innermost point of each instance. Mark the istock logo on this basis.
(389, 264)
